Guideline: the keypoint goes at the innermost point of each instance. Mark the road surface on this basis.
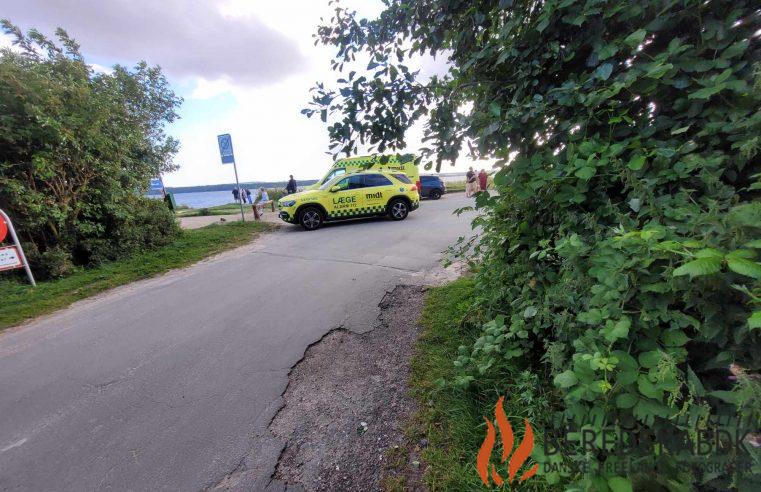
(170, 383)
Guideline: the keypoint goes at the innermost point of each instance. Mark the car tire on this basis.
(398, 209)
(435, 194)
(311, 218)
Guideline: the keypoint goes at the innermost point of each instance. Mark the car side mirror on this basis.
(335, 188)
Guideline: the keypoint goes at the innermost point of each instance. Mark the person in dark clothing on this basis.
(291, 186)
(470, 183)
(236, 194)
(248, 196)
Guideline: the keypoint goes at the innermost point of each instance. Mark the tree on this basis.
(620, 257)
(77, 150)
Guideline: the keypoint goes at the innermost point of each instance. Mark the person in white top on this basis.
(263, 200)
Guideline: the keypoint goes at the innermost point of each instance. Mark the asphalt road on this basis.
(170, 383)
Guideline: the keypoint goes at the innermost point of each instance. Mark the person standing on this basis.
(470, 183)
(236, 194)
(291, 186)
(248, 196)
(483, 179)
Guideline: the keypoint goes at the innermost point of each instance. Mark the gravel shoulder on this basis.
(347, 403)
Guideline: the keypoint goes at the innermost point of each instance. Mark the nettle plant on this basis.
(620, 257)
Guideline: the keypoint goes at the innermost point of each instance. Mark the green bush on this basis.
(140, 224)
(77, 149)
(53, 263)
(619, 261)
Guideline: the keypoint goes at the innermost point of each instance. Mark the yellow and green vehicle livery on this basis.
(351, 196)
(397, 163)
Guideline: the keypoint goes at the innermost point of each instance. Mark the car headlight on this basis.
(288, 203)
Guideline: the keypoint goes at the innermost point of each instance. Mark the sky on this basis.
(243, 67)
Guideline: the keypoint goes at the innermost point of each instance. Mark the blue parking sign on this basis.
(157, 184)
(226, 148)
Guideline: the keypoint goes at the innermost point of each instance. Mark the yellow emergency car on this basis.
(363, 194)
(406, 163)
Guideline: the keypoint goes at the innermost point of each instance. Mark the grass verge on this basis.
(451, 418)
(227, 209)
(450, 421)
(20, 302)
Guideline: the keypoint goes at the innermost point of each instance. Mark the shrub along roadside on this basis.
(20, 302)
(77, 149)
(452, 418)
(620, 259)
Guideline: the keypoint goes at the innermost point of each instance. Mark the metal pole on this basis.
(242, 217)
(20, 249)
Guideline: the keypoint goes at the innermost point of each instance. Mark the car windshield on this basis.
(331, 182)
(402, 177)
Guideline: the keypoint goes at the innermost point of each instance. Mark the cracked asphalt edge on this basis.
(236, 478)
(339, 422)
(232, 479)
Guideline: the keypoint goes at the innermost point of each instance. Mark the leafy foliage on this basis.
(620, 257)
(77, 149)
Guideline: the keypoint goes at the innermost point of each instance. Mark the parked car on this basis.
(351, 196)
(394, 164)
(432, 187)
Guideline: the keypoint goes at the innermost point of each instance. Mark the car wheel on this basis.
(310, 218)
(434, 194)
(398, 209)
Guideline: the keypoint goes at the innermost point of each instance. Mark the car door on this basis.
(378, 189)
(348, 200)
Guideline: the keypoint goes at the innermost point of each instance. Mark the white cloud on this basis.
(255, 94)
(186, 37)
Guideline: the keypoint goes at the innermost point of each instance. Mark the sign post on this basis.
(157, 185)
(12, 256)
(226, 152)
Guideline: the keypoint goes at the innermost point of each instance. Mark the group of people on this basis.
(244, 196)
(475, 182)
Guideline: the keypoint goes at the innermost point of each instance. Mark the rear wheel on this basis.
(310, 218)
(398, 209)
(435, 194)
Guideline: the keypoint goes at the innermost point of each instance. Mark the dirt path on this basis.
(347, 403)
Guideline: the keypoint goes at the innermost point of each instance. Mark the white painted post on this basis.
(18, 246)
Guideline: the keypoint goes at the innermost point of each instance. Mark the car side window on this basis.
(356, 182)
(343, 184)
(376, 180)
(403, 178)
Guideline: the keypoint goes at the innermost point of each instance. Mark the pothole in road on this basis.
(347, 402)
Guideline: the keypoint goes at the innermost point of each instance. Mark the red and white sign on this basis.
(9, 258)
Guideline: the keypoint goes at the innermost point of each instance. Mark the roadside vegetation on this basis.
(19, 301)
(451, 417)
(616, 279)
(77, 150)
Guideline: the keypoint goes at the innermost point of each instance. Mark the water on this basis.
(201, 199)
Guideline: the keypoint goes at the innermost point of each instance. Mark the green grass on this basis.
(455, 186)
(19, 301)
(451, 418)
(447, 417)
(227, 209)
